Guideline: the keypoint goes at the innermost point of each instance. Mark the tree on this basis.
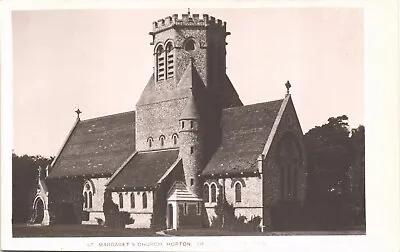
(333, 150)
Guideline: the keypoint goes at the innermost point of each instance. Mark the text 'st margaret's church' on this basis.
(189, 140)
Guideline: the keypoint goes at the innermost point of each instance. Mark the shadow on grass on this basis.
(78, 231)
(224, 232)
(100, 231)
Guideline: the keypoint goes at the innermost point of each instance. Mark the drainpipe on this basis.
(223, 201)
(260, 166)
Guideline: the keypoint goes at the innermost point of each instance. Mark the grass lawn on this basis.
(23, 230)
(221, 232)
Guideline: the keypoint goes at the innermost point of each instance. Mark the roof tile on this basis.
(245, 131)
(97, 147)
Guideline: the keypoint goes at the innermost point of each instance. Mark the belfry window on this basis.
(170, 60)
(160, 63)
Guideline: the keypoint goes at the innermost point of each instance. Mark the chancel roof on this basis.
(245, 131)
(96, 147)
(144, 169)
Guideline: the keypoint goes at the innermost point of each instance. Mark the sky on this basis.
(100, 61)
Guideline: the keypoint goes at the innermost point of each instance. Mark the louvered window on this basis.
(170, 60)
(160, 63)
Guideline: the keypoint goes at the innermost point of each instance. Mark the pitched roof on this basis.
(180, 192)
(144, 169)
(97, 147)
(244, 134)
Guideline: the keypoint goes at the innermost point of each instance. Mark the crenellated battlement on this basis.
(187, 20)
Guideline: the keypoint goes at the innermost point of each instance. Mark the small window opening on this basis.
(183, 125)
(191, 150)
(191, 124)
(175, 138)
(238, 192)
(189, 45)
(150, 141)
(144, 199)
(206, 193)
(162, 138)
(198, 208)
(132, 200)
(213, 193)
(121, 200)
(191, 182)
(90, 200)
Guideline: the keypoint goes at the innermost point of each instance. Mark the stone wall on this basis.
(288, 126)
(142, 216)
(154, 120)
(97, 201)
(251, 196)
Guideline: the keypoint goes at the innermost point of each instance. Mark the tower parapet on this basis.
(187, 20)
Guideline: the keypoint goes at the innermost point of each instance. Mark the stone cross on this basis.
(78, 112)
(288, 86)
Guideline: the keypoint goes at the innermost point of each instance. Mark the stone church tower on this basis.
(188, 88)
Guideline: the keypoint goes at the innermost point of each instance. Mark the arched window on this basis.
(175, 139)
(150, 141)
(206, 193)
(170, 60)
(85, 198)
(189, 45)
(213, 193)
(183, 124)
(238, 192)
(160, 60)
(132, 200)
(191, 124)
(162, 140)
(90, 200)
(289, 160)
(88, 192)
(144, 199)
(121, 200)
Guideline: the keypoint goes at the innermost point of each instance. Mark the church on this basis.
(189, 140)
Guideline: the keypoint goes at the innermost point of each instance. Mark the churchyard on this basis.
(22, 230)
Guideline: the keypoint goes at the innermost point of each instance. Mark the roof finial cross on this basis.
(78, 112)
(288, 86)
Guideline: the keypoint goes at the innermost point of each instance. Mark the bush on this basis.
(115, 218)
(225, 218)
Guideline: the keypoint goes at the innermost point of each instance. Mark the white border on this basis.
(382, 137)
